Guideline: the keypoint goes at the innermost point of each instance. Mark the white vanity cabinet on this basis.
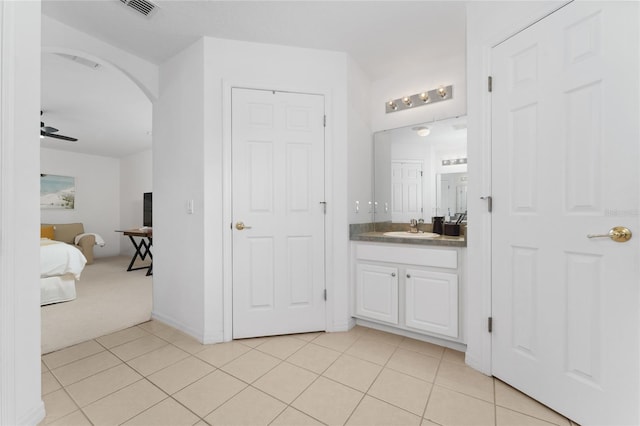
(408, 287)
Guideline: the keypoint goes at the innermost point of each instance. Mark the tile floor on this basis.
(152, 374)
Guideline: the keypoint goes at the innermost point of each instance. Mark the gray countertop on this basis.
(379, 237)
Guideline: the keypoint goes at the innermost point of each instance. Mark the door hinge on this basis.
(324, 206)
(420, 173)
(325, 294)
(324, 121)
(490, 84)
(489, 202)
(490, 324)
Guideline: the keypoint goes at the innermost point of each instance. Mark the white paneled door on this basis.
(278, 212)
(565, 139)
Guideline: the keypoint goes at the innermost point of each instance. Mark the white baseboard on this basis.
(33, 417)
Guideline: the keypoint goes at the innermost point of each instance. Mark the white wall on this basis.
(360, 142)
(135, 180)
(178, 175)
(443, 72)
(58, 37)
(20, 400)
(97, 203)
(191, 122)
(488, 23)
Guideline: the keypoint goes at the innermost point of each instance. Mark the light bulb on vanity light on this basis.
(407, 101)
(424, 97)
(442, 92)
(392, 105)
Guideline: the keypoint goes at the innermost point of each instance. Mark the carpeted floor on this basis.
(109, 299)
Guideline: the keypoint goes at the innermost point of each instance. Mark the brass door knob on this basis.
(240, 226)
(619, 234)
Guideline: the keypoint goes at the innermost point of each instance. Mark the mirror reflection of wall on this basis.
(408, 168)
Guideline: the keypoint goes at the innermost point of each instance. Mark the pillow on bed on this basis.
(47, 232)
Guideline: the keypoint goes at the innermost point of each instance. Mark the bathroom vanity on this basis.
(409, 287)
(413, 283)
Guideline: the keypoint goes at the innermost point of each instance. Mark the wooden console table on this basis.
(143, 247)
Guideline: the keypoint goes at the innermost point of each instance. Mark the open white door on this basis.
(278, 212)
(565, 157)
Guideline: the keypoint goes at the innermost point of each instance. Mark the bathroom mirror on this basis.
(420, 171)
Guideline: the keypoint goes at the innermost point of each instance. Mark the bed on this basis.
(60, 266)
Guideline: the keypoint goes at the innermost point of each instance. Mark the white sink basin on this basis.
(407, 234)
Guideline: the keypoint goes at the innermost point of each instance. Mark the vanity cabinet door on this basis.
(432, 301)
(377, 292)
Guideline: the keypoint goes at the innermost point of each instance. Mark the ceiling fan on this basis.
(51, 132)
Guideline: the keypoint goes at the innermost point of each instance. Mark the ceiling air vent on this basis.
(141, 6)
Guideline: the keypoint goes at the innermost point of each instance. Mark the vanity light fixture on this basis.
(423, 98)
(422, 131)
(454, 161)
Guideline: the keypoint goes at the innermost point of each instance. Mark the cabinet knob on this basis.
(393, 274)
(408, 276)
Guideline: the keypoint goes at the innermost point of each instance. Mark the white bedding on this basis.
(60, 266)
(57, 258)
(57, 289)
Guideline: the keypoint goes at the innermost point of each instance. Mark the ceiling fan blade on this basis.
(64, 138)
(48, 129)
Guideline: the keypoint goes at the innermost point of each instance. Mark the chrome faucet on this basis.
(413, 226)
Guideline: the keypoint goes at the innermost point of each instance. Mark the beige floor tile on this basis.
(307, 337)
(401, 390)
(281, 346)
(466, 380)
(222, 353)
(154, 326)
(506, 417)
(72, 353)
(285, 382)
(313, 357)
(43, 367)
(328, 401)
(57, 405)
(250, 407)
(85, 367)
(166, 413)
(414, 364)
(371, 412)
(180, 374)
(254, 342)
(135, 348)
(511, 398)
(121, 337)
(124, 404)
(425, 348)
(250, 366)
(210, 392)
(102, 384)
(426, 422)
(451, 355)
(371, 350)
(340, 341)
(189, 344)
(158, 359)
(49, 383)
(451, 408)
(77, 418)
(382, 337)
(353, 372)
(292, 417)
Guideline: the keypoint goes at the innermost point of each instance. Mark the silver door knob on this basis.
(240, 226)
(393, 274)
(619, 234)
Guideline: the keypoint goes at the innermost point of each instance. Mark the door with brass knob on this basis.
(619, 234)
